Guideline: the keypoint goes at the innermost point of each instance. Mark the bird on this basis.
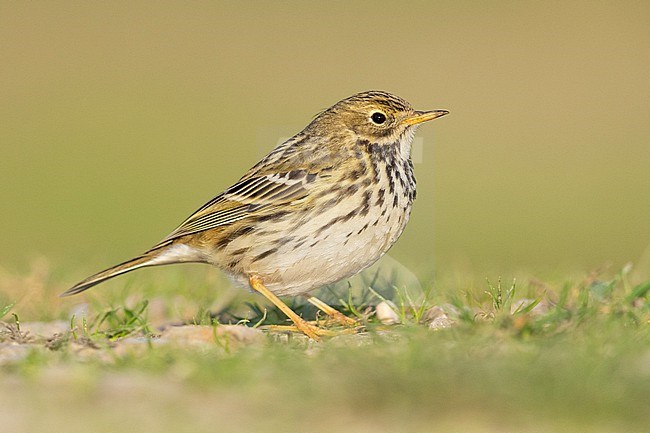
(318, 208)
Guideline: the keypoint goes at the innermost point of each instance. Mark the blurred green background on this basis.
(118, 119)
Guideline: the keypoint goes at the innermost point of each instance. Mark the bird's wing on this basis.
(247, 197)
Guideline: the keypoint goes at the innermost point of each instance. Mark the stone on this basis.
(203, 335)
(386, 313)
(436, 318)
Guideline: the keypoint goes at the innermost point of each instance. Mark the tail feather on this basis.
(128, 266)
(164, 254)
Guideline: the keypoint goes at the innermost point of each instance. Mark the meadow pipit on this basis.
(320, 207)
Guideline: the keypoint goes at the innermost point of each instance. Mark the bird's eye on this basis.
(378, 117)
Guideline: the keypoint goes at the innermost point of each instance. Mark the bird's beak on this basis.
(424, 116)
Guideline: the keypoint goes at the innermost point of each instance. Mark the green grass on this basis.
(518, 356)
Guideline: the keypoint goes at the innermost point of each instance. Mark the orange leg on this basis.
(309, 330)
(334, 314)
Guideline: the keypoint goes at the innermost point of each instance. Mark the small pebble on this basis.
(386, 314)
(436, 318)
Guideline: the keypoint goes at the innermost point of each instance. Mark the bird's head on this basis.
(374, 116)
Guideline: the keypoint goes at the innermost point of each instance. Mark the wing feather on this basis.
(249, 196)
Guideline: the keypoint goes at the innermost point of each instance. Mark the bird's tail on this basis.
(153, 257)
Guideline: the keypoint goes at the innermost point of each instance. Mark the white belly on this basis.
(318, 254)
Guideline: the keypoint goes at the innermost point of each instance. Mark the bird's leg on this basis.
(331, 312)
(309, 330)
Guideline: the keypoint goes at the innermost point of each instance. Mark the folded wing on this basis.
(247, 197)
